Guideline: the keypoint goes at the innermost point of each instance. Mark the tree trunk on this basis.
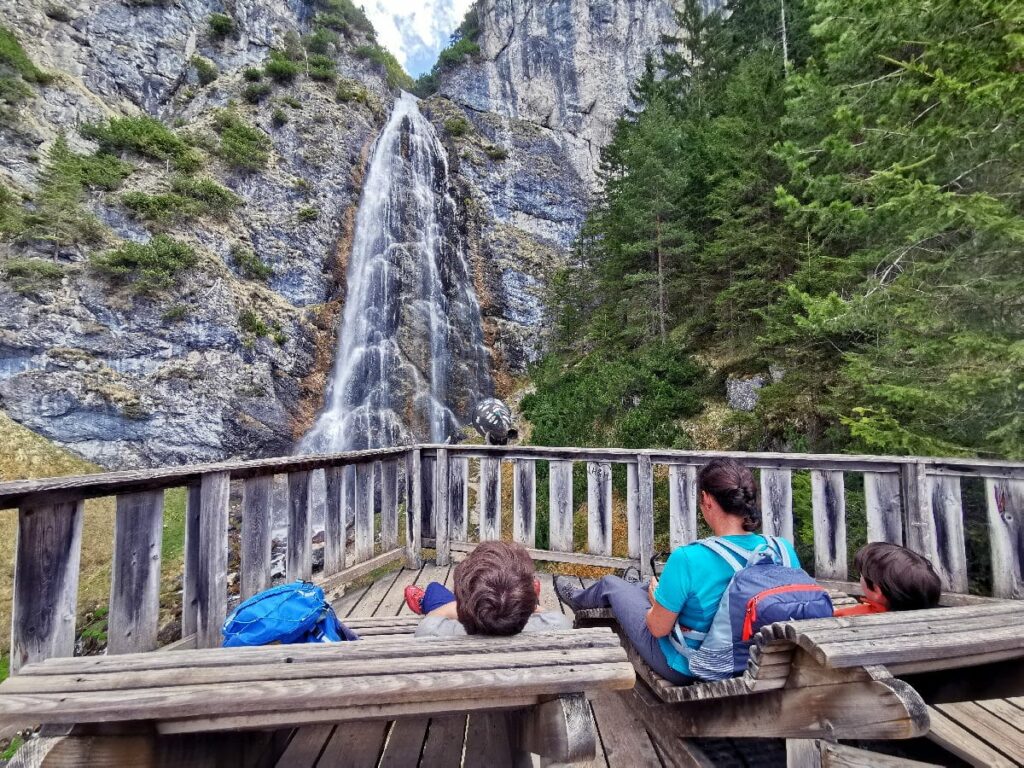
(661, 278)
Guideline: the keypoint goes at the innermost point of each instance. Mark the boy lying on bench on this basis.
(893, 578)
(496, 593)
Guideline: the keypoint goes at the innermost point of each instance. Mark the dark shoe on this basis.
(565, 590)
(631, 575)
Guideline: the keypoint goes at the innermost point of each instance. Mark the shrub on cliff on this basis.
(17, 72)
(350, 90)
(205, 69)
(221, 25)
(147, 267)
(281, 68)
(396, 76)
(322, 68)
(254, 93)
(457, 126)
(322, 41)
(30, 276)
(344, 15)
(188, 198)
(249, 264)
(145, 136)
(215, 199)
(242, 146)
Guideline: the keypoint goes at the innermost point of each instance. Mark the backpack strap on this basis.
(781, 550)
(735, 556)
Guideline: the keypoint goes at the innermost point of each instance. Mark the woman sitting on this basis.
(693, 580)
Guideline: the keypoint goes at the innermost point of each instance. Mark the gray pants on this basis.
(629, 603)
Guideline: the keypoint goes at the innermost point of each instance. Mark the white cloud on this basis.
(416, 30)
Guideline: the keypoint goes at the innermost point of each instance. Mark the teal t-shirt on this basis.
(692, 585)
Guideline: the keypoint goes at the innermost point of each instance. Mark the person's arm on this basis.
(668, 596)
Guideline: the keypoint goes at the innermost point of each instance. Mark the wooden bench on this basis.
(543, 677)
(852, 678)
(987, 733)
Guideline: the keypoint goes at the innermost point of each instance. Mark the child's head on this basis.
(898, 577)
(494, 592)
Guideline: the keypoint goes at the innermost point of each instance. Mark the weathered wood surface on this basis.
(550, 556)
(682, 504)
(442, 511)
(414, 497)
(489, 497)
(599, 508)
(134, 617)
(388, 504)
(458, 497)
(882, 502)
(211, 596)
(524, 503)
(336, 583)
(335, 521)
(820, 753)
(364, 512)
(560, 506)
(777, 502)
(47, 557)
(1000, 724)
(828, 503)
(427, 500)
(562, 730)
(1006, 534)
(257, 534)
(300, 536)
(354, 745)
(966, 744)
(645, 513)
(632, 512)
(949, 553)
(190, 576)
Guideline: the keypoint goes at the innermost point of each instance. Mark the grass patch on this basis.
(251, 323)
(350, 90)
(496, 153)
(457, 126)
(17, 72)
(145, 136)
(249, 264)
(252, 74)
(308, 213)
(322, 68)
(205, 69)
(281, 68)
(147, 267)
(395, 75)
(242, 146)
(221, 25)
(30, 276)
(254, 93)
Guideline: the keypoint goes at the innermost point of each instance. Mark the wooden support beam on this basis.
(257, 532)
(442, 538)
(335, 521)
(560, 731)
(828, 503)
(882, 500)
(777, 502)
(427, 501)
(190, 577)
(388, 504)
(599, 508)
(414, 501)
(47, 556)
(364, 512)
(300, 535)
(949, 552)
(212, 581)
(682, 504)
(560, 506)
(645, 513)
(134, 618)
(490, 499)
(524, 503)
(458, 497)
(632, 515)
(1006, 536)
(549, 556)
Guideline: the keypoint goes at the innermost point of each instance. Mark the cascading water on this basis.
(411, 356)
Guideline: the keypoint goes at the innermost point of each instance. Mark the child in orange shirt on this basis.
(893, 578)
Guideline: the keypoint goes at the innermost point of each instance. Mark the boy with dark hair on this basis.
(893, 578)
(496, 593)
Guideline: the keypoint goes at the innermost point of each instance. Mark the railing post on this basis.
(414, 496)
(134, 618)
(599, 508)
(300, 545)
(632, 519)
(389, 504)
(524, 502)
(193, 561)
(882, 500)
(645, 512)
(934, 515)
(427, 497)
(47, 557)
(442, 540)
(1006, 534)
(777, 502)
(682, 504)
(490, 499)
(458, 497)
(560, 506)
(211, 584)
(257, 524)
(828, 508)
(335, 520)
(364, 511)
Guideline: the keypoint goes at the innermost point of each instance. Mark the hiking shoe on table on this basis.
(565, 590)
(414, 599)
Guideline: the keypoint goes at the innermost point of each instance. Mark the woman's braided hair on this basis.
(732, 486)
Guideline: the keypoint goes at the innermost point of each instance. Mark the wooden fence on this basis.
(913, 501)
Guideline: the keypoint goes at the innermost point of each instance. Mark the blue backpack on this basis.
(765, 588)
(289, 613)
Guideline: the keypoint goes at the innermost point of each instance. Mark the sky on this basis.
(415, 30)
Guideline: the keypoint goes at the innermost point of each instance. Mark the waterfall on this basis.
(411, 358)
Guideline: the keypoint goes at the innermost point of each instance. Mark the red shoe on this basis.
(414, 599)
(536, 586)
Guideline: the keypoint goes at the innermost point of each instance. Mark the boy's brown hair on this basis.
(494, 593)
(907, 580)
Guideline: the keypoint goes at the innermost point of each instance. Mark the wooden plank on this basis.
(393, 601)
(355, 745)
(427, 502)
(405, 743)
(374, 596)
(389, 504)
(211, 585)
(624, 737)
(490, 499)
(442, 512)
(632, 514)
(1006, 536)
(305, 747)
(884, 512)
(487, 741)
(953, 737)
(458, 497)
(414, 502)
(257, 532)
(134, 617)
(364, 512)
(987, 726)
(524, 503)
(549, 556)
(828, 503)
(335, 521)
(299, 557)
(844, 756)
(560, 515)
(47, 556)
(949, 556)
(599, 508)
(777, 502)
(682, 504)
(334, 585)
(443, 747)
(190, 576)
(1007, 712)
(911, 648)
(645, 513)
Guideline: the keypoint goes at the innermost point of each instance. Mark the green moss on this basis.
(249, 264)
(205, 69)
(221, 25)
(396, 76)
(147, 267)
(254, 93)
(292, 102)
(241, 145)
(30, 276)
(309, 213)
(281, 68)
(457, 126)
(145, 136)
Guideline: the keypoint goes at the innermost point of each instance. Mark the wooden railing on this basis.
(914, 501)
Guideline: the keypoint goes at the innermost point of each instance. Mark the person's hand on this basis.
(651, 588)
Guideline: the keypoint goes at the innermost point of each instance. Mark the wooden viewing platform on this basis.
(398, 501)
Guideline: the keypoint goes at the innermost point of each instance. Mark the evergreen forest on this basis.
(832, 189)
